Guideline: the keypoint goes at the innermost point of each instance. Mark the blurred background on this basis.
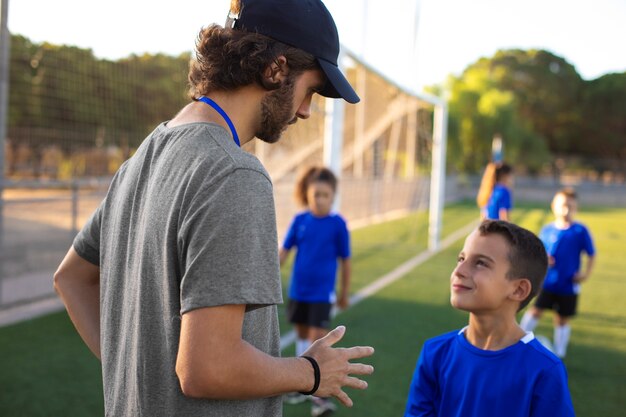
(446, 86)
(84, 83)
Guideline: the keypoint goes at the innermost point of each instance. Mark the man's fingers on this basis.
(344, 398)
(334, 335)
(360, 369)
(355, 383)
(357, 352)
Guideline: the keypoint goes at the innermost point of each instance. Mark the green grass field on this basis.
(47, 371)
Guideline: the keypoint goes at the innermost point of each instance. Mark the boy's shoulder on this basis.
(337, 216)
(445, 337)
(579, 227)
(441, 342)
(528, 347)
(575, 227)
(540, 352)
(579, 231)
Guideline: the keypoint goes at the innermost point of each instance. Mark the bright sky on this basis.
(590, 34)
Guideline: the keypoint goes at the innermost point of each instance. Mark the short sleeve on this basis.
(228, 244)
(290, 239)
(588, 243)
(87, 241)
(343, 239)
(506, 202)
(551, 396)
(421, 401)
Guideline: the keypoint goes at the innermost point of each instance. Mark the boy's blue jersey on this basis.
(500, 199)
(453, 378)
(565, 246)
(320, 241)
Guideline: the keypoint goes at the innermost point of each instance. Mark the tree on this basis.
(481, 109)
(604, 117)
(548, 91)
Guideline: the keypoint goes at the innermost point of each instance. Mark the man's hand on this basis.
(336, 368)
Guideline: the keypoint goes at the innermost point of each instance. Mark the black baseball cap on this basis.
(304, 24)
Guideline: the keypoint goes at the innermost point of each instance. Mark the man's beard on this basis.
(276, 112)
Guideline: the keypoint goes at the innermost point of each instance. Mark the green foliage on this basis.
(540, 106)
(65, 95)
(604, 110)
(480, 109)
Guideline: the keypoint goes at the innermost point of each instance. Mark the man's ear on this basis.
(522, 289)
(275, 73)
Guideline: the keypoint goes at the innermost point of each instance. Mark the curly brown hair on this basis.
(311, 175)
(227, 59)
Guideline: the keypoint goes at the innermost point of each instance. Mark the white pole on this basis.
(5, 45)
(438, 176)
(333, 140)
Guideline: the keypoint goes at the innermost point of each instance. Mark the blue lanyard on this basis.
(224, 115)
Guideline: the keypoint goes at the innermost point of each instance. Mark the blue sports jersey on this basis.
(453, 378)
(565, 246)
(320, 241)
(500, 199)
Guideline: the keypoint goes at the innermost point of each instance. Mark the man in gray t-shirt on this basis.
(174, 280)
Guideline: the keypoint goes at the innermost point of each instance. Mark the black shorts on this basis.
(309, 314)
(564, 305)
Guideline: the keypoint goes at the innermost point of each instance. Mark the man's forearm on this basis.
(244, 372)
(215, 362)
(78, 284)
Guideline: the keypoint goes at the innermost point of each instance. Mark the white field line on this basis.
(387, 279)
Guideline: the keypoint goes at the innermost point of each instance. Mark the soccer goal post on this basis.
(405, 106)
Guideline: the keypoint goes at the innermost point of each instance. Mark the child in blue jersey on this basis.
(494, 195)
(492, 368)
(322, 241)
(565, 240)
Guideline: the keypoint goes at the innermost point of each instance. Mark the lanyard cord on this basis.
(224, 115)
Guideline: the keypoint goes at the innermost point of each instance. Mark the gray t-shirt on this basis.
(188, 222)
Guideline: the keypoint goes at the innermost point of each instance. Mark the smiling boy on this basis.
(492, 368)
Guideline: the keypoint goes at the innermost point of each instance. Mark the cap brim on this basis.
(337, 86)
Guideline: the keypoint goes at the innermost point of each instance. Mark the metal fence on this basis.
(42, 218)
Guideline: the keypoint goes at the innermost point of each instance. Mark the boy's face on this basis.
(479, 283)
(564, 207)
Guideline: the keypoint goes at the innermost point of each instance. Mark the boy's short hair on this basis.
(568, 192)
(527, 255)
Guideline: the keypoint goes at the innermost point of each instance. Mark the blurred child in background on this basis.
(494, 197)
(565, 240)
(322, 241)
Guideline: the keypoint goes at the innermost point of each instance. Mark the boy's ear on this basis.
(275, 73)
(522, 289)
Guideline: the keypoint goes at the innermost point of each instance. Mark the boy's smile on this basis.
(479, 282)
